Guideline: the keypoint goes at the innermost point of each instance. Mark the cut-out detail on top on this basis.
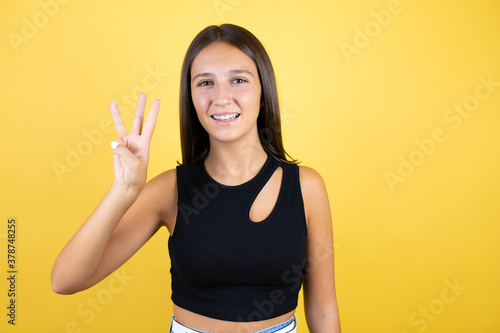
(265, 202)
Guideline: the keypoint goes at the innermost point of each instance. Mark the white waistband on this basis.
(175, 327)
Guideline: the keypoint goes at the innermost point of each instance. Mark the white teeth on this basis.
(225, 117)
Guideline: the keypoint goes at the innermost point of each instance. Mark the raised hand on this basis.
(131, 150)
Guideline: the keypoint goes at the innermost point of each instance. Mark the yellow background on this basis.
(418, 253)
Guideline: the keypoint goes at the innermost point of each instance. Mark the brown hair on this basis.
(194, 139)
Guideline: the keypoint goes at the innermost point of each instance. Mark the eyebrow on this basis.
(233, 71)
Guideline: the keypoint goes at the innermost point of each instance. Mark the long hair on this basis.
(194, 139)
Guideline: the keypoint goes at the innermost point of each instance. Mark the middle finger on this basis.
(139, 115)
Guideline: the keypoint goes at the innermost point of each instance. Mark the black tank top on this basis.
(224, 265)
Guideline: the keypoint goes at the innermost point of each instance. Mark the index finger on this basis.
(150, 124)
(117, 120)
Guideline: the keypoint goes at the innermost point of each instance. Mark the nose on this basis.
(222, 95)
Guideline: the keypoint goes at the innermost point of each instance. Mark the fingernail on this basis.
(114, 145)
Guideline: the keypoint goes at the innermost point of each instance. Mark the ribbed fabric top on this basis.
(226, 266)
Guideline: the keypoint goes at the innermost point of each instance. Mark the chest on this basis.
(216, 240)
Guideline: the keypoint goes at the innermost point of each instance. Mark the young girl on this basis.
(247, 227)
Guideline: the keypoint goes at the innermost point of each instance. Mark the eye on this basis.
(239, 80)
(204, 83)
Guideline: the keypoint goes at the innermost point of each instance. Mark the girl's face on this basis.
(226, 92)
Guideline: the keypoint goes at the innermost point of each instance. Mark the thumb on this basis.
(122, 151)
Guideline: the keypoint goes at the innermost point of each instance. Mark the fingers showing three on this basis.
(138, 118)
(131, 150)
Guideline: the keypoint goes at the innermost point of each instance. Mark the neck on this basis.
(235, 163)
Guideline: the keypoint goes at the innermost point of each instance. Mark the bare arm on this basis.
(126, 217)
(320, 298)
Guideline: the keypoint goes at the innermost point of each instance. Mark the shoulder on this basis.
(161, 187)
(163, 182)
(166, 176)
(314, 193)
(160, 195)
(311, 181)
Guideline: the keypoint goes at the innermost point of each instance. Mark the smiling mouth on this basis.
(225, 117)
